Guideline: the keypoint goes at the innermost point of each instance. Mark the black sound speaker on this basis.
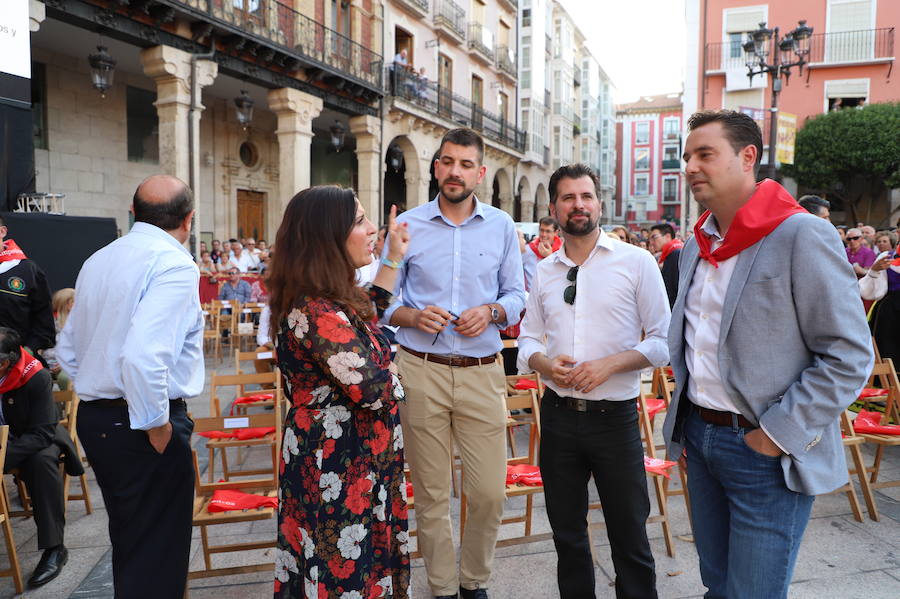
(59, 244)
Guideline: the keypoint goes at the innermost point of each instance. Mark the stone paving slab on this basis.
(840, 558)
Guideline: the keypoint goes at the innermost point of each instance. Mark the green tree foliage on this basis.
(849, 154)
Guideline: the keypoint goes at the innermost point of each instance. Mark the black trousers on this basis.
(148, 496)
(606, 444)
(41, 475)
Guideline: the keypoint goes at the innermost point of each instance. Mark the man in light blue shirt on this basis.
(461, 282)
(235, 288)
(132, 346)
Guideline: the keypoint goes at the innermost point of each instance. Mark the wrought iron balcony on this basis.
(825, 49)
(506, 61)
(449, 17)
(310, 43)
(442, 102)
(416, 7)
(481, 40)
(671, 164)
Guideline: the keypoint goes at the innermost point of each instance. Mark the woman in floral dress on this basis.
(342, 523)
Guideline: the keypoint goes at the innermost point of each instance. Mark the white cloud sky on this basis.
(639, 43)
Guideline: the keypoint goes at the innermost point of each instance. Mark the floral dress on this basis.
(342, 522)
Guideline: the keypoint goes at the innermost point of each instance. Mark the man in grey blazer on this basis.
(768, 342)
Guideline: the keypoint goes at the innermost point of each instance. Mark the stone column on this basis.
(170, 68)
(527, 210)
(370, 165)
(417, 184)
(506, 203)
(295, 111)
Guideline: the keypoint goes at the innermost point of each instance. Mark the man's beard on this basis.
(456, 198)
(580, 229)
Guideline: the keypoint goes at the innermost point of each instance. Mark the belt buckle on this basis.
(455, 361)
(581, 405)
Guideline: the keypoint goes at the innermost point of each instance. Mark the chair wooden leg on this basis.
(529, 510)
(14, 568)
(207, 556)
(664, 513)
(876, 466)
(868, 497)
(854, 502)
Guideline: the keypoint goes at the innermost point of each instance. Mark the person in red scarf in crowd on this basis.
(755, 413)
(36, 445)
(24, 296)
(668, 249)
(547, 240)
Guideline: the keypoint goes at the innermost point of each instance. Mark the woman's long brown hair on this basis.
(311, 257)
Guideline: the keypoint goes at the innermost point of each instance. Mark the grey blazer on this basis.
(794, 347)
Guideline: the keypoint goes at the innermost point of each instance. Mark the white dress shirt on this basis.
(702, 324)
(620, 292)
(245, 261)
(136, 329)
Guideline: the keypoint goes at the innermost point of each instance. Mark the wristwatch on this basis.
(495, 313)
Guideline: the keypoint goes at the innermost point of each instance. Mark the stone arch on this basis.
(541, 202)
(525, 199)
(502, 196)
(401, 185)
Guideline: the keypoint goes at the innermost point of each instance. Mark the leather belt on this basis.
(584, 405)
(454, 361)
(720, 418)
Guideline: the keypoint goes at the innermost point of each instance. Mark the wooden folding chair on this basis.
(519, 401)
(662, 386)
(273, 440)
(67, 404)
(258, 357)
(659, 480)
(884, 372)
(247, 316)
(203, 518)
(14, 569)
(212, 335)
(853, 443)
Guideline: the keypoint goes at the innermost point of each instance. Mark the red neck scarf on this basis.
(769, 205)
(21, 372)
(675, 244)
(11, 251)
(557, 243)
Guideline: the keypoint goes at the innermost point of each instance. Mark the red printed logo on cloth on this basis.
(226, 500)
(335, 327)
(523, 474)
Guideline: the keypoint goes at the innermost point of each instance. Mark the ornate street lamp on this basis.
(337, 135)
(787, 52)
(103, 67)
(395, 158)
(243, 106)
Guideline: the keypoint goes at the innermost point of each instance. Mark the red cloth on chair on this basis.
(871, 393)
(243, 434)
(870, 422)
(253, 398)
(525, 384)
(216, 435)
(654, 406)
(523, 474)
(657, 466)
(409, 489)
(226, 500)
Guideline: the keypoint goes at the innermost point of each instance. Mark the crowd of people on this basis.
(446, 281)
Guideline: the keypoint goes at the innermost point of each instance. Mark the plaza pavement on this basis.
(840, 558)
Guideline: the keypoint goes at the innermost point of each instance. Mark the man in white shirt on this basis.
(133, 348)
(241, 257)
(588, 305)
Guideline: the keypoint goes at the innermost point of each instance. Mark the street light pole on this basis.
(756, 52)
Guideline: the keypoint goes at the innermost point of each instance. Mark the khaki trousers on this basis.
(444, 403)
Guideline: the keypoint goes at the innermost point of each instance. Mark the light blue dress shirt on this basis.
(458, 267)
(136, 330)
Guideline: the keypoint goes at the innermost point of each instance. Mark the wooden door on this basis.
(445, 86)
(251, 214)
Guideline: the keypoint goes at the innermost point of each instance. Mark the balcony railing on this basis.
(418, 7)
(865, 45)
(442, 102)
(310, 41)
(506, 60)
(481, 40)
(671, 164)
(450, 16)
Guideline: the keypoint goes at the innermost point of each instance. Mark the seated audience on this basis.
(235, 288)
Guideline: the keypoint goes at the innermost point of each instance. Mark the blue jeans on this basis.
(747, 524)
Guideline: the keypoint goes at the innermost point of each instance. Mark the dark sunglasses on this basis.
(854, 238)
(455, 317)
(569, 292)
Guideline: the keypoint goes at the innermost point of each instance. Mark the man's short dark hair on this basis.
(168, 216)
(549, 221)
(10, 345)
(232, 240)
(466, 137)
(664, 229)
(740, 129)
(814, 204)
(573, 171)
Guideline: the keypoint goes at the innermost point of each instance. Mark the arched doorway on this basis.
(501, 196)
(541, 203)
(524, 201)
(401, 166)
(433, 185)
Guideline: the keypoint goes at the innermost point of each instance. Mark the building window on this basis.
(39, 105)
(642, 133)
(142, 124)
(641, 159)
(640, 185)
(670, 190)
(670, 128)
(846, 93)
(526, 17)
(670, 153)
